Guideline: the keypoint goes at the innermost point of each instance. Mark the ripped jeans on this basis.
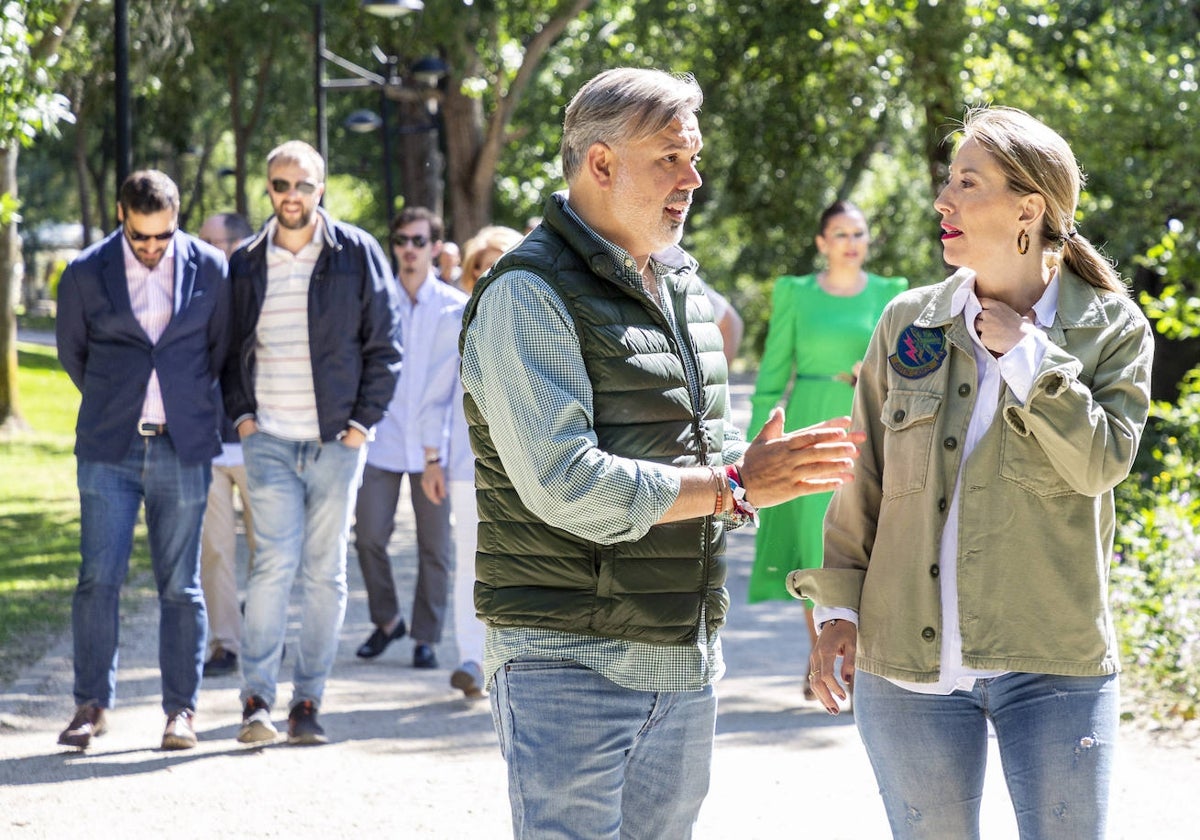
(1057, 737)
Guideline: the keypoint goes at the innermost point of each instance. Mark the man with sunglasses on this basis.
(412, 440)
(142, 332)
(313, 363)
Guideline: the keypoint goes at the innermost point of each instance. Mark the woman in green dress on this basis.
(820, 326)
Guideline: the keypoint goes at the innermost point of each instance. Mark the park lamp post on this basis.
(361, 78)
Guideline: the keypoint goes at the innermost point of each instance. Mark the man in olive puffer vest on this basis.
(606, 473)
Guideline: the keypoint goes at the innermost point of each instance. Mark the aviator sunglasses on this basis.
(135, 236)
(282, 187)
(418, 241)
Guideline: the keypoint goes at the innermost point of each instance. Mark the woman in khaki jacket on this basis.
(966, 567)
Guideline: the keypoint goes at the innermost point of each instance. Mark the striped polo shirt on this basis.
(283, 384)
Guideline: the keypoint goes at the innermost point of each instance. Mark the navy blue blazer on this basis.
(109, 357)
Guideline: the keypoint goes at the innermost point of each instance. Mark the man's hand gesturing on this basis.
(778, 467)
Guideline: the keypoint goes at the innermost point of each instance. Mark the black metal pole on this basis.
(319, 79)
(385, 128)
(121, 60)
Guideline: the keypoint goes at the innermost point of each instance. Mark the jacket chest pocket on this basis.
(908, 421)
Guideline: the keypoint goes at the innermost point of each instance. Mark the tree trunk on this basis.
(10, 275)
(473, 142)
(82, 180)
(464, 138)
(421, 164)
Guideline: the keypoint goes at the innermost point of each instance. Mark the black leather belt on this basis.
(151, 429)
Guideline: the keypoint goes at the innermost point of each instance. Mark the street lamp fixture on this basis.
(429, 70)
(392, 8)
(363, 121)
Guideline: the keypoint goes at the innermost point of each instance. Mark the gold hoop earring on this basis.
(1022, 242)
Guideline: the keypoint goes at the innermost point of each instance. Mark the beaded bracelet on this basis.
(719, 485)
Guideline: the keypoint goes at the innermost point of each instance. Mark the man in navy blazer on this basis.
(142, 331)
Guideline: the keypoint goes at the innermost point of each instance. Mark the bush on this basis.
(1155, 577)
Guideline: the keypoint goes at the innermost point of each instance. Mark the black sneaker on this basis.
(256, 722)
(303, 729)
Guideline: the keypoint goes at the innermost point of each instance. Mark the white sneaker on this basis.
(468, 678)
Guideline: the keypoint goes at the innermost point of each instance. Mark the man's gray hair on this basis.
(624, 105)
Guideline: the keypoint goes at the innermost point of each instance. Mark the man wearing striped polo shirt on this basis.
(312, 366)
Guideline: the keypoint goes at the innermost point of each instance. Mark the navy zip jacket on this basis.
(353, 329)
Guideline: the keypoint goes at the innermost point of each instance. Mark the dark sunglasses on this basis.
(418, 241)
(134, 236)
(282, 187)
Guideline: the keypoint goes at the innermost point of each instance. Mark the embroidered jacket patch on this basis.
(919, 351)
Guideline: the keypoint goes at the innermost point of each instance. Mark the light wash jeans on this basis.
(588, 759)
(109, 497)
(301, 495)
(1057, 736)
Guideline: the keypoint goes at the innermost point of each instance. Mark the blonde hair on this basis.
(1036, 159)
(493, 236)
(297, 151)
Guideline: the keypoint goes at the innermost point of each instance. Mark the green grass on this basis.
(39, 514)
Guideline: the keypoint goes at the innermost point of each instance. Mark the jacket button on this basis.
(964, 390)
(934, 570)
(928, 633)
(950, 443)
(942, 504)
(898, 415)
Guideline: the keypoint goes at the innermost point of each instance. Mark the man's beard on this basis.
(301, 222)
(648, 218)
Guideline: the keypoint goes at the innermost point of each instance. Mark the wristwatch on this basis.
(432, 459)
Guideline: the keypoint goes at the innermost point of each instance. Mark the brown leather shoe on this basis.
(88, 722)
(180, 733)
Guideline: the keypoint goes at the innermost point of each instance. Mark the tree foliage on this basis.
(30, 34)
(806, 102)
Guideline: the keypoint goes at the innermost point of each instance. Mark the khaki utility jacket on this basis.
(1036, 516)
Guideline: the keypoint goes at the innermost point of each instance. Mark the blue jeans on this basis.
(590, 759)
(301, 497)
(1057, 736)
(110, 495)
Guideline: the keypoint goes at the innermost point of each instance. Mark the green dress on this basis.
(814, 336)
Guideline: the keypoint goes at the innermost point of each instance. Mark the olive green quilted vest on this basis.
(530, 574)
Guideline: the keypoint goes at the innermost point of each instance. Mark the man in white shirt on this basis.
(412, 442)
(218, 539)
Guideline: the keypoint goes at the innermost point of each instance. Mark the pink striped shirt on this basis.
(152, 295)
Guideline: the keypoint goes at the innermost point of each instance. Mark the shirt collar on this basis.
(426, 289)
(1044, 310)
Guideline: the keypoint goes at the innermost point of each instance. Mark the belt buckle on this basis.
(146, 429)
